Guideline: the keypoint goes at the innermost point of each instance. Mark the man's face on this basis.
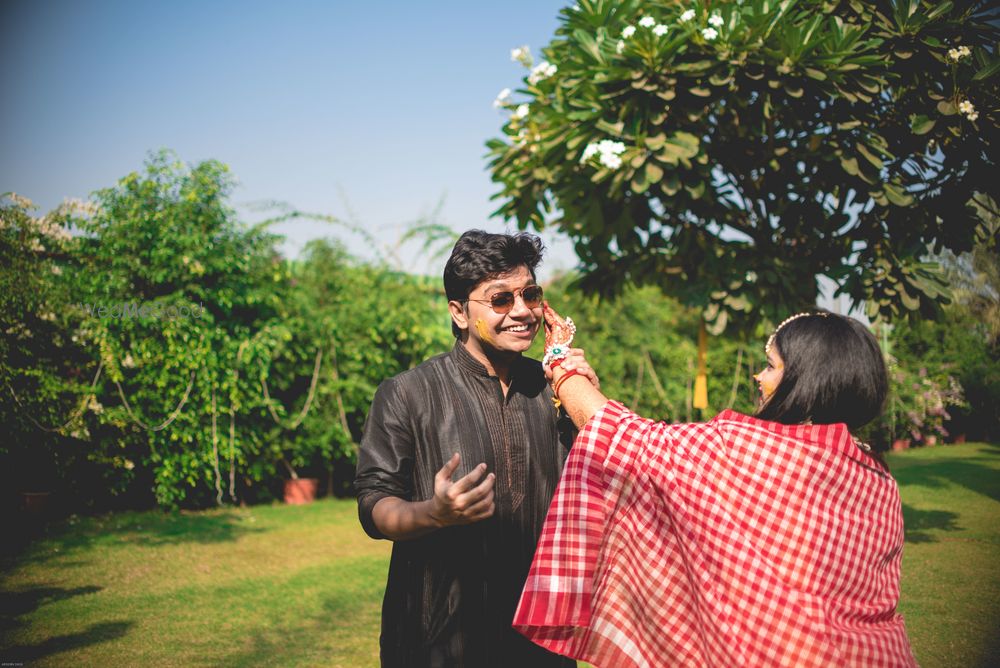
(510, 332)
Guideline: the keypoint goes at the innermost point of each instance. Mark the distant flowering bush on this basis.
(917, 408)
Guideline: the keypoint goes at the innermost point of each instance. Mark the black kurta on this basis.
(451, 594)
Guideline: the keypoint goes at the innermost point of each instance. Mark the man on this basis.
(458, 463)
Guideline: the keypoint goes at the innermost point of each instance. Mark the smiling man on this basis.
(458, 463)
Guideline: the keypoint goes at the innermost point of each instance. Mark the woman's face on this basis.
(770, 377)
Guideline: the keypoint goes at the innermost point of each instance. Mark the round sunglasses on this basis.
(503, 302)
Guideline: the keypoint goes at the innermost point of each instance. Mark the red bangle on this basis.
(563, 379)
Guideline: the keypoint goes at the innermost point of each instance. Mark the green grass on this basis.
(951, 561)
(302, 585)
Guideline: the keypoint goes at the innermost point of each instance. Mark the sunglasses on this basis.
(503, 302)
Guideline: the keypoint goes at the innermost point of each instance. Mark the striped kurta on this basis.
(451, 594)
(737, 542)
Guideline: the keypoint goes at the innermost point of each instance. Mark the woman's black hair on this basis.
(834, 371)
(479, 256)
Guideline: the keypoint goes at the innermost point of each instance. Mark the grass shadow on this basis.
(16, 603)
(918, 523)
(147, 529)
(333, 629)
(979, 478)
(96, 633)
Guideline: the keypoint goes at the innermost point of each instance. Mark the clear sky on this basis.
(385, 105)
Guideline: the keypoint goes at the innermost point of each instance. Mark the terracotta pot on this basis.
(900, 444)
(930, 440)
(959, 438)
(35, 503)
(300, 490)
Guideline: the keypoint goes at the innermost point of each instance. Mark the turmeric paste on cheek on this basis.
(484, 332)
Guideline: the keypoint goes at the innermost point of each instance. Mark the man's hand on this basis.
(462, 501)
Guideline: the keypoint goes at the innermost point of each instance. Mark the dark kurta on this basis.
(451, 594)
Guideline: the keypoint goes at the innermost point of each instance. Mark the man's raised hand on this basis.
(464, 501)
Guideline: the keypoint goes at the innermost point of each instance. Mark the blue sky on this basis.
(386, 105)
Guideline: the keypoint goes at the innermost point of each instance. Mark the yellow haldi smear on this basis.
(767, 387)
(484, 332)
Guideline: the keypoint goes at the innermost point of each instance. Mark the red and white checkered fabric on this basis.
(737, 542)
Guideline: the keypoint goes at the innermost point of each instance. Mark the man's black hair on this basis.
(833, 372)
(479, 256)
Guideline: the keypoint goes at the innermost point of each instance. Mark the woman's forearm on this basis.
(578, 396)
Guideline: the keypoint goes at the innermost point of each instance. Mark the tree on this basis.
(730, 152)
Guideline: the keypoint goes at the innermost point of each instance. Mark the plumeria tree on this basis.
(731, 152)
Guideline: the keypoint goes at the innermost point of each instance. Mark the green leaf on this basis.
(897, 195)
(987, 71)
(946, 108)
(850, 165)
(589, 44)
(655, 143)
(920, 124)
(611, 128)
(869, 156)
(653, 172)
(681, 145)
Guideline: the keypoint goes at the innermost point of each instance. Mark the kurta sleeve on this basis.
(385, 458)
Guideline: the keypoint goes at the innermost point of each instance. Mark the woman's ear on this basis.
(459, 315)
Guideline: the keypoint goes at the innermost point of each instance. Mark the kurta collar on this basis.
(464, 359)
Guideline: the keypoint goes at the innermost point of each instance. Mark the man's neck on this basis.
(497, 364)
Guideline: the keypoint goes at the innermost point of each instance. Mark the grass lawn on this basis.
(302, 585)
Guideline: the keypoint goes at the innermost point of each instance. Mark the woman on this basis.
(744, 541)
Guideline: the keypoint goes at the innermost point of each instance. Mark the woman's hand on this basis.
(577, 360)
(558, 331)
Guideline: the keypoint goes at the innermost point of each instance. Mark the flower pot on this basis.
(300, 490)
(900, 444)
(35, 503)
(959, 438)
(930, 440)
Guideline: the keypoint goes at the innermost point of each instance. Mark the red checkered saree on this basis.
(737, 542)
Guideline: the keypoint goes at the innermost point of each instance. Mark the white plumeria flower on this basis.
(521, 54)
(647, 22)
(520, 112)
(128, 362)
(956, 54)
(628, 31)
(502, 98)
(715, 20)
(56, 270)
(620, 46)
(966, 107)
(608, 146)
(610, 160)
(660, 30)
(709, 33)
(542, 70)
(608, 152)
(973, 116)
(687, 16)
